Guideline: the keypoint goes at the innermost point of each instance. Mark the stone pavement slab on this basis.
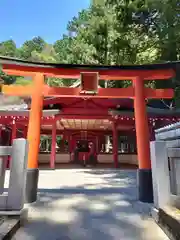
(89, 204)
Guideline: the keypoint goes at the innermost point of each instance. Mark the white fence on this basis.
(13, 198)
(165, 158)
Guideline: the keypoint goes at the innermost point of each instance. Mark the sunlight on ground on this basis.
(99, 206)
(77, 205)
(69, 202)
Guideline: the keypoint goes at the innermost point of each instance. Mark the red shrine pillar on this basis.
(53, 147)
(143, 143)
(115, 145)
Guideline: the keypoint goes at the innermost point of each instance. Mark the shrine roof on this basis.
(155, 66)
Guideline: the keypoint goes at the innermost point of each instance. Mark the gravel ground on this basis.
(89, 204)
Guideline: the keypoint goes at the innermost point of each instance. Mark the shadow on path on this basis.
(106, 210)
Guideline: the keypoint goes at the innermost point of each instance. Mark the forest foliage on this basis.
(110, 32)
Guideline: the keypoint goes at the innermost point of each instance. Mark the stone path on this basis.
(89, 204)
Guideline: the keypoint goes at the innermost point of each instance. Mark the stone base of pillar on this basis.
(145, 186)
(31, 185)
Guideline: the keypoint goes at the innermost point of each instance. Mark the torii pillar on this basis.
(143, 144)
(33, 137)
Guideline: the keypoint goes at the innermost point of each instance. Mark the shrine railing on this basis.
(165, 158)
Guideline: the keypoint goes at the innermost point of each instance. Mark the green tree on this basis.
(36, 44)
(8, 48)
(6, 78)
(47, 54)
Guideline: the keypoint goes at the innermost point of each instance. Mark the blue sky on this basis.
(23, 19)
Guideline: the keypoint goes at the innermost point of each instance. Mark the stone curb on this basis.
(11, 222)
(168, 219)
(9, 227)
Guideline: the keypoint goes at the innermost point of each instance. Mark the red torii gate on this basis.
(137, 74)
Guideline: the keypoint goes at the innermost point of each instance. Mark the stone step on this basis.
(169, 221)
(9, 227)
